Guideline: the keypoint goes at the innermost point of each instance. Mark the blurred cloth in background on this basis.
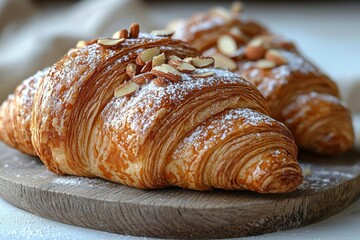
(34, 36)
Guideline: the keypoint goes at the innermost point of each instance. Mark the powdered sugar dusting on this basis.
(149, 98)
(225, 125)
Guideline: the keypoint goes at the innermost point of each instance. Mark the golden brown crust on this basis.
(140, 135)
(282, 75)
(15, 115)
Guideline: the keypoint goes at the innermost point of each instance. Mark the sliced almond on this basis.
(203, 75)
(265, 64)
(254, 52)
(147, 67)
(203, 62)
(175, 62)
(227, 45)
(81, 44)
(238, 35)
(148, 54)
(126, 89)
(221, 12)
(163, 33)
(188, 60)
(123, 33)
(174, 57)
(185, 67)
(224, 62)
(110, 41)
(167, 71)
(161, 82)
(131, 70)
(236, 8)
(275, 56)
(134, 30)
(143, 78)
(158, 60)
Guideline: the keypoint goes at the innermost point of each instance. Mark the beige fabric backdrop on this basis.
(33, 37)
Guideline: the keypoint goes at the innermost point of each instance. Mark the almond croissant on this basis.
(298, 93)
(147, 111)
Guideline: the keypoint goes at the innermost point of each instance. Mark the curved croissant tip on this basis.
(284, 182)
(333, 141)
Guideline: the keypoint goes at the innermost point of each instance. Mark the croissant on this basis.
(147, 111)
(297, 93)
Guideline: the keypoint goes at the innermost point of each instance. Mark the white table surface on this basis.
(329, 34)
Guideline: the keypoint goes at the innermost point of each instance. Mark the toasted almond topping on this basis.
(224, 62)
(203, 62)
(236, 31)
(163, 33)
(143, 78)
(265, 64)
(131, 70)
(148, 54)
(188, 60)
(174, 57)
(221, 12)
(160, 82)
(147, 67)
(126, 89)
(236, 8)
(175, 62)
(275, 56)
(257, 42)
(80, 44)
(185, 67)
(287, 45)
(226, 44)
(134, 30)
(167, 71)
(123, 33)
(203, 75)
(158, 60)
(254, 52)
(110, 41)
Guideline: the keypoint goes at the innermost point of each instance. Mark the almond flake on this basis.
(185, 67)
(226, 44)
(163, 33)
(126, 89)
(188, 60)
(265, 64)
(148, 54)
(221, 12)
(158, 60)
(167, 71)
(224, 62)
(147, 67)
(236, 8)
(143, 78)
(81, 44)
(203, 62)
(174, 57)
(131, 70)
(203, 75)
(254, 52)
(174, 62)
(134, 30)
(275, 56)
(123, 33)
(160, 82)
(110, 41)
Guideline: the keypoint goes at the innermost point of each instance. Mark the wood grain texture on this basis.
(176, 213)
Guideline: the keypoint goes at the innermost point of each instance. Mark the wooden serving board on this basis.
(330, 185)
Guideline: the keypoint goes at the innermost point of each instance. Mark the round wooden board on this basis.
(176, 213)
